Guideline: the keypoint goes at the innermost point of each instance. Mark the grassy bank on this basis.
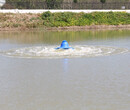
(83, 19)
(50, 20)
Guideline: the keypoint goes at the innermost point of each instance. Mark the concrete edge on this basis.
(36, 11)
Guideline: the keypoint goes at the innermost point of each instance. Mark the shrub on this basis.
(75, 1)
(102, 1)
(46, 15)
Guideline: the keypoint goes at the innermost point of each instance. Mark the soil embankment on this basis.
(63, 21)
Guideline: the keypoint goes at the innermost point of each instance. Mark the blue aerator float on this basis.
(64, 45)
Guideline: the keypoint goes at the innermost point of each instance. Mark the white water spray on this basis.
(51, 52)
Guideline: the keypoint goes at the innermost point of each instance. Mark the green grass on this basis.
(83, 19)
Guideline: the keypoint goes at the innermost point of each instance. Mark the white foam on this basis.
(51, 52)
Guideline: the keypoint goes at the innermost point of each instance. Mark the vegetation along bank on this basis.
(64, 20)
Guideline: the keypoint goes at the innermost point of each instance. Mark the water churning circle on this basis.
(51, 52)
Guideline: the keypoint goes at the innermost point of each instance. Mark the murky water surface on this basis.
(95, 75)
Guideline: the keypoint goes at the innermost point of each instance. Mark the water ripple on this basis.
(51, 52)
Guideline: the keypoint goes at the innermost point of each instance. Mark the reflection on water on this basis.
(65, 65)
(57, 37)
(96, 83)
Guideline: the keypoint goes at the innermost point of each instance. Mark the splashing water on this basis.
(51, 52)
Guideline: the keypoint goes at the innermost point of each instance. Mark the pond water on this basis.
(93, 76)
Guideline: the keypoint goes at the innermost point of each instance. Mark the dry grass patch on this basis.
(9, 20)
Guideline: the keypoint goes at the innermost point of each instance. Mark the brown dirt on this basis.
(71, 28)
(101, 27)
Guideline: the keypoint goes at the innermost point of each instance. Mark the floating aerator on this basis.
(64, 45)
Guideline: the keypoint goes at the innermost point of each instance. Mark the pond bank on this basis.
(64, 21)
(72, 28)
(92, 27)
